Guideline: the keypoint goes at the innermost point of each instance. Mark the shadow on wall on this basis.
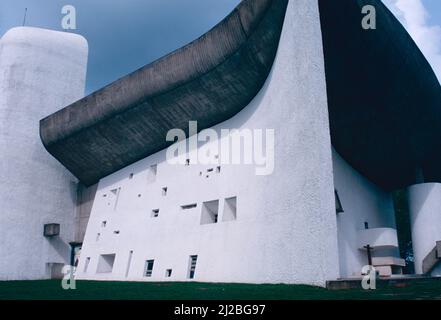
(402, 218)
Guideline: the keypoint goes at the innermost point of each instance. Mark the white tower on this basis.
(40, 72)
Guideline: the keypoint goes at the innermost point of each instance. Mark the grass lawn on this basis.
(87, 290)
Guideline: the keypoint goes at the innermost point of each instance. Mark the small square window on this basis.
(103, 224)
(105, 263)
(210, 211)
(168, 273)
(155, 213)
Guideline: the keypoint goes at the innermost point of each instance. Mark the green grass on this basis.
(90, 290)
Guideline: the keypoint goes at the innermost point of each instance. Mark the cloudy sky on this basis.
(124, 35)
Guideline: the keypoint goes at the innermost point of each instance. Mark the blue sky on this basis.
(124, 35)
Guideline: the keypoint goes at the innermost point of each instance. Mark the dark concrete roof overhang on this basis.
(208, 80)
(384, 98)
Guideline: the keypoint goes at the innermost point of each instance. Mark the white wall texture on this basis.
(286, 224)
(425, 221)
(362, 202)
(41, 71)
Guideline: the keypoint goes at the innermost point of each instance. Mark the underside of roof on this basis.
(384, 99)
(209, 81)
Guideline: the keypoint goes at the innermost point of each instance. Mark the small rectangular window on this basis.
(189, 206)
(164, 191)
(155, 213)
(168, 273)
(116, 232)
(187, 162)
(148, 268)
(129, 262)
(210, 211)
(103, 224)
(131, 176)
(192, 266)
(86, 264)
(151, 173)
(230, 206)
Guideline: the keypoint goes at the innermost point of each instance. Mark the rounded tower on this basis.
(41, 71)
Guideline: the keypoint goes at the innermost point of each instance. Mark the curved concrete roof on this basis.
(384, 98)
(209, 80)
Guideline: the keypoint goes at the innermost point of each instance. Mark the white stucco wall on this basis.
(362, 202)
(41, 71)
(425, 220)
(286, 224)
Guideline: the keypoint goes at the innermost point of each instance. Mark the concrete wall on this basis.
(362, 202)
(425, 220)
(40, 72)
(85, 197)
(285, 229)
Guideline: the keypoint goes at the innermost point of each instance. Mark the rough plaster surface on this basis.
(40, 72)
(425, 220)
(286, 225)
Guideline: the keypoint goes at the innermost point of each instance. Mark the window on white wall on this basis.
(105, 263)
(112, 199)
(148, 271)
(168, 273)
(192, 266)
(86, 264)
(164, 191)
(129, 262)
(155, 213)
(230, 209)
(151, 173)
(189, 206)
(210, 212)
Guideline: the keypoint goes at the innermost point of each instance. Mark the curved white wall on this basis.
(362, 202)
(286, 226)
(425, 220)
(41, 71)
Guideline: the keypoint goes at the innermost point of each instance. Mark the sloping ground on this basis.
(89, 290)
